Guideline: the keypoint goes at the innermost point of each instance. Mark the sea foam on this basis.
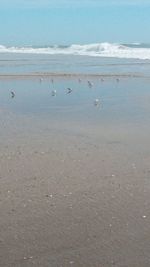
(135, 50)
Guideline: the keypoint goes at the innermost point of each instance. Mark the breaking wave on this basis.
(135, 50)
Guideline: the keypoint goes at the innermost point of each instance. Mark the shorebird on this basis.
(53, 93)
(52, 80)
(117, 79)
(102, 80)
(12, 94)
(90, 84)
(41, 79)
(69, 90)
(96, 102)
(79, 80)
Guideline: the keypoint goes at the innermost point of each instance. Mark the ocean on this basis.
(101, 58)
(134, 50)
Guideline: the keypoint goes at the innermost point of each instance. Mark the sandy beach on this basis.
(74, 177)
(74, 133)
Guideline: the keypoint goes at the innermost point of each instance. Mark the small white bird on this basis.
(102, 80)
(53, 93)
(96, 102)
(41, 80)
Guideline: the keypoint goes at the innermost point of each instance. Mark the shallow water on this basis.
(123, 106)
(125, 99)
(28, 63)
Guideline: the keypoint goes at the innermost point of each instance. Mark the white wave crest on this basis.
(95, 50)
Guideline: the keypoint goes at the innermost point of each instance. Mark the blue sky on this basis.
(39, 22)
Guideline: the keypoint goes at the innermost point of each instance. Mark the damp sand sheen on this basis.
(74, 160)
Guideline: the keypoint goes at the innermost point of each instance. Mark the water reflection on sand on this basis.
(74, 171)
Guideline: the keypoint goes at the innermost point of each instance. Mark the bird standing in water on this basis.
(53, 93)
(90, 84)
(69, 90)
(12, 94)
(96, 102)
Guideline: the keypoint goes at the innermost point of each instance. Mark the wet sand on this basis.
(46, 75)
(74, 177)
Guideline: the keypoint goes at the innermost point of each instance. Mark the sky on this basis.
(45, 22)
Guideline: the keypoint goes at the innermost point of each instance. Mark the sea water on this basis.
(102, 58)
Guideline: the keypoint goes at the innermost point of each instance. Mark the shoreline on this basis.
(70, 75)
